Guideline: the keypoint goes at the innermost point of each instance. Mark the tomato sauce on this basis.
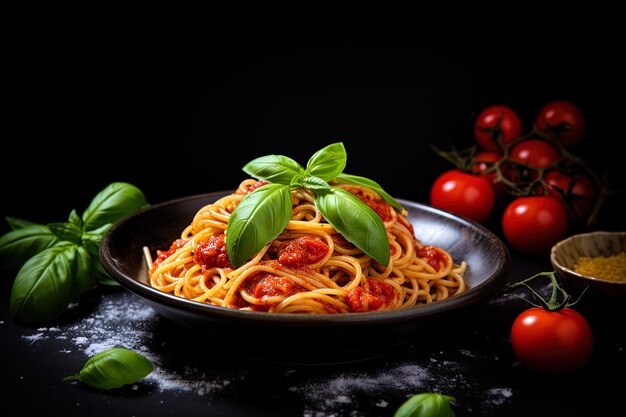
(380, 294)
(379, 206)
(263, 284)
(212, 253)
(164, 254)
(302, 251)
(253, 187)
(434, 256)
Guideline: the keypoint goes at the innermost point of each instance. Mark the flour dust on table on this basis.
(185, 362)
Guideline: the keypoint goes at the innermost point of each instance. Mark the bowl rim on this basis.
(481, 291)
(579, 236)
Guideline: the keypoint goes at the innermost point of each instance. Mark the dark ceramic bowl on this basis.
(305, 339)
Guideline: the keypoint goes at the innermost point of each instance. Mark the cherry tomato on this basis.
(497, 124)
(535, 153)
(563, 121)
(552, 342)
(483, 161)
(577, 193)
(462, 193)
(533, 224)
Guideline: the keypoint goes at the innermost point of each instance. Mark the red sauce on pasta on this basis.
(302, 251)
(212, 253)
(433, 256)
(380, 293)
(164, 254)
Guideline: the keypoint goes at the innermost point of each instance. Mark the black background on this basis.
(180, 112)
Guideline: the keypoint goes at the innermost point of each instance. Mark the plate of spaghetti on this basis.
(307, 270)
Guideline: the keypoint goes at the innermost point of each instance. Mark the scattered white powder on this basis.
(125, 321)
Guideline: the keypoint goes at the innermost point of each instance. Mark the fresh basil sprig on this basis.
(427, 404)
(60, 261)
(113, 368)
(263, 214)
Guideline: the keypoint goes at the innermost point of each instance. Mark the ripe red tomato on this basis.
(484, 160)
(497, 123)
(533, 224)
(462, 193)
(552, 342)
(535, 153)
(577, 193)
(563, 121)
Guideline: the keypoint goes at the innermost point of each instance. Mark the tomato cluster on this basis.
(543, 187)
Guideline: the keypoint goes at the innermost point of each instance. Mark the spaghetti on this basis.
(309, 267)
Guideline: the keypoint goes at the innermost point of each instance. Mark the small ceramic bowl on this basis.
(565, 254)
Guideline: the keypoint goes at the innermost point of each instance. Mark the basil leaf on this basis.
(366, 182)
(74, 218)
(273, 168)
(83, 276)
(17, 224)
(328, 162)
(113, 368)
(114, 202)
(426, 405)
(92, 240)
(314, 183)
(358, 223)
(17, 246)
(66, 231)
(43, 286)
(259, 218)
(101, 275)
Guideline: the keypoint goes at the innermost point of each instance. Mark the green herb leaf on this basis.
(19, 245)
(92, 240)
(43, 286)
(259, 218)
(328, 162)
(273, 168)
(17, 224)
(66, 231)
(74, 218)
(426, 405)
(102, 277)
(358, 223)
(344, 178)
(83, 277)
(314, 183)
(113, 368)
(114, 202)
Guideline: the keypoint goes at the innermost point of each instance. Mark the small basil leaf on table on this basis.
(355, 221)
(429, 404)
(111, 204)
(19, 245)
(43, 286)
(113, 368)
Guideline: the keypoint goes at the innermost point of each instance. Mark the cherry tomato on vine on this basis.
(577, 193)
(497, 123)
(462, 193)
(535, 153)
(563, 121)
(552, 342)
(533, 224)
(483, 161)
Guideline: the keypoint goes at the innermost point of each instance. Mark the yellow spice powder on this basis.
(604, 267)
